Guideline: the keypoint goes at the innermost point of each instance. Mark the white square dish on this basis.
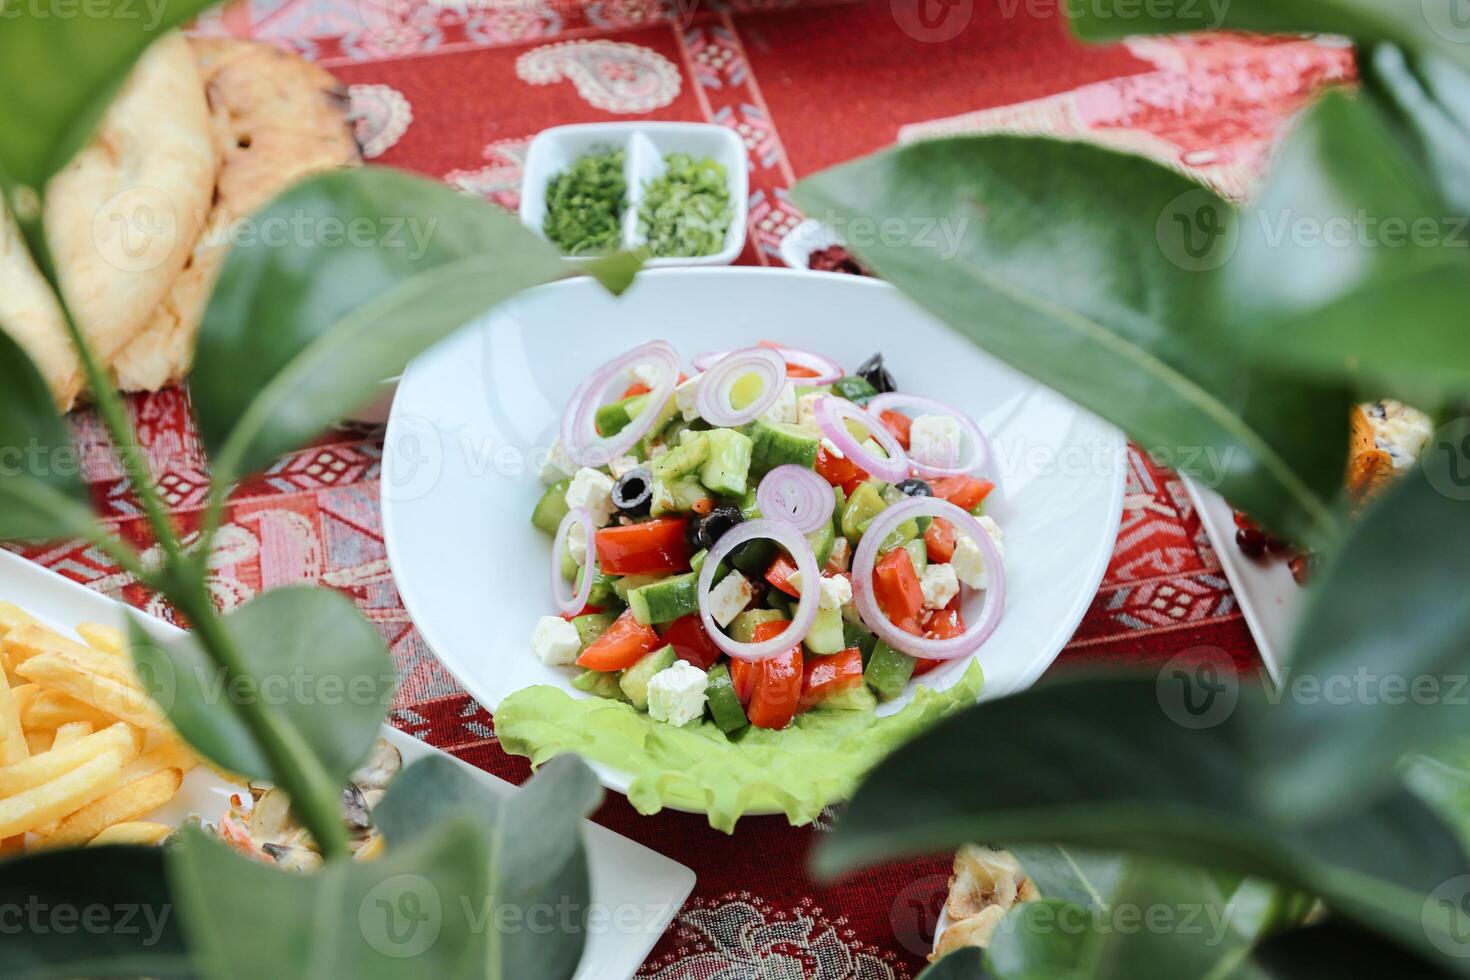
(644, 147)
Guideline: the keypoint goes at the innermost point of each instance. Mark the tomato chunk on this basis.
(898, 424)
(775, 691)
(838, 470)
(643, 549)
(690, 641)
(939, 540)
(944, 624)
(779, 575)
(922, 666)
(625, 641)
(828, 675)
(742, 678)
(896, 587)
(965, 492)
(636, 388)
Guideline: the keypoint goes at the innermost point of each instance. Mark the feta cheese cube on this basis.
(684, 398)
(806, 414)
(577, 544)
(939, 583)
(783, 409)
(935, 440)
(832, 449)
(555, 641)
(676, 694)
(620, 465)
(969, 560)
(836, 592)
(557, 465)
(592, 489)
(728, 599)
(649, 374)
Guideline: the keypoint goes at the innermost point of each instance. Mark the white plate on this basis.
(474, 417)
(640, 889)
(1269, 597)
(644, 145)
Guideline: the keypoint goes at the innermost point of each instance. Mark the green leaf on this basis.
(1069, 874)
(1430, 24)
(1068, 262)
(962, 964)
(616, 271)
(314, 663)
(41, 491)
(60, 72)
(1105, 765)
(98, 911)
(309, 316)
(420, 908)
(1442, 779)
(1382, 650)
(1338, 949)
(1348, 236)
(538, 859)
(1427, 100)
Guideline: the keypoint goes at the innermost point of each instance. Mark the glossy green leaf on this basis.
(98, 911)
(1441, 778)
(421, 909)
(310, 315)
(1070, 874)
(538, 859)
(1428, 24)
(1427, 100)
(1112, 764)
(314, 663)
(1382, 651)
(1350, 266)
(60, 72)
(962, 964)
(41, 491)
(1087, 270)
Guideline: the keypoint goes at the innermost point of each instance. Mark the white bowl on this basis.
(644, 144)
(471, 415)
(799, 243)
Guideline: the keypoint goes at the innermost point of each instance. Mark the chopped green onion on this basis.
(584, 204)
(686, 211)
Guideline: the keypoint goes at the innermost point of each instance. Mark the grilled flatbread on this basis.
(276, 118)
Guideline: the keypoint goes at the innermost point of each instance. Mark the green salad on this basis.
(748, 563)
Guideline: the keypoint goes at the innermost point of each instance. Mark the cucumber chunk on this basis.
(613, 417)
(682, 459)
(918, 554)
(858, 635)
(677, 496)
(776, 444)
(742, 629)
(826, 635)
(627, 583)
(665, 600)
(600, 683)
(821, 541)
(865, 504)
(728, 461)
(591, 626)
(888, 671)
(634, 681)
(854, 389)
(855, 698)
(720, 698)
(552, 507)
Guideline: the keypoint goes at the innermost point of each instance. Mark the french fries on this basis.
(85, 753)
(132, 832)
(128, 802)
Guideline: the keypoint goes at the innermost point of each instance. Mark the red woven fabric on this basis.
(456, 92)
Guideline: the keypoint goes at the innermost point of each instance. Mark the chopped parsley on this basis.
(686, 212)
(584, 205)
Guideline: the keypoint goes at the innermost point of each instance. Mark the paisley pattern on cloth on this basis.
(610, 75)
(499, 181)
(380, 116)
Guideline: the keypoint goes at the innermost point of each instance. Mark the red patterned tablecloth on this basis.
(456, 90)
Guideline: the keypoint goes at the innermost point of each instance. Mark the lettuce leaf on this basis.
(815, 761)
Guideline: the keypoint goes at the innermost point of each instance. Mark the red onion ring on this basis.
(796, 495)
(979, 445)
(830, 413)
(867, 603)
(572, 603)
(827, 370)
(806, 609)
(712, 397)
(578, 426)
